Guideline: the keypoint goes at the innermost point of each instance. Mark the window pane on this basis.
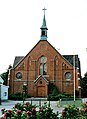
(41, 69)
(68, 75)
(45, 69)
(43, 59)
(43, 33)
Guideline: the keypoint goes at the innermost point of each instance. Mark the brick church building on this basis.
(44, 65)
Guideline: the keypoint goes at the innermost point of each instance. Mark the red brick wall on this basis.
(29, 67)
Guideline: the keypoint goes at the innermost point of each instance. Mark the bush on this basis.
(16, 96)
(53, 89)
(28, 111)
(29, 96)
(54, 94)
(71, 112)
(52, 97)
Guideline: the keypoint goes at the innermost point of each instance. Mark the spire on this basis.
(44, 28)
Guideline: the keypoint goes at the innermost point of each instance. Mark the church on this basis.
(44, 65)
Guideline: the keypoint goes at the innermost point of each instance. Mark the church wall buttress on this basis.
(51, 71)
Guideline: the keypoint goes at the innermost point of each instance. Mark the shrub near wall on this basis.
(52, 97)
(18, 96)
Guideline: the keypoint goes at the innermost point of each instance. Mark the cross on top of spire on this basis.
(44, 9)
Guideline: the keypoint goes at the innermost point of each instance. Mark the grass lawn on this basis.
(78, 103)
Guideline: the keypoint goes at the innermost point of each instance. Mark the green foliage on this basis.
(28, 111)
(25, 91)
(16, 96)
(4, 76)
(84, 85)
(71, 112)
(45, 112)
(54, 94)
(53, 89)
(53, 98)
(59, 96)
(29, 96)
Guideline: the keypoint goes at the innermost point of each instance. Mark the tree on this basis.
(4, 75)
(84, 85)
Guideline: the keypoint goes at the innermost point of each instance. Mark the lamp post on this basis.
(24, 91)
(74, 73)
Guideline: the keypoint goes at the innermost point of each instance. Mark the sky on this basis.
(20, 22)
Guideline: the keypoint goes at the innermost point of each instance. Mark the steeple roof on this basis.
(44, 23)
(44, 28)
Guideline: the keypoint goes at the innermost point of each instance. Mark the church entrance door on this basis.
(41, 91)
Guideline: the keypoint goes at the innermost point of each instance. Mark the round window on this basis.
(43, 59)
(68, 76)
(19, 75)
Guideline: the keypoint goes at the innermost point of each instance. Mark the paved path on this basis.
(9, 104)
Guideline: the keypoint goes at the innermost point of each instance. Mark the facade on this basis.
(44, 65)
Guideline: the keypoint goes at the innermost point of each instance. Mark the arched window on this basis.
(43, 65)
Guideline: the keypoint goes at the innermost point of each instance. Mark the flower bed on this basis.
(72, 112)
(28, 111)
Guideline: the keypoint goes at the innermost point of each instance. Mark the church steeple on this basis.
(44, 28)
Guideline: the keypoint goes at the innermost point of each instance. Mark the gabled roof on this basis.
(20, 58)
(42, 77)
(17, 60)
(68, 58)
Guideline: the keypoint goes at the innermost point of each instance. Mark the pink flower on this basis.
(5, 114)
(9, 111)
(33, 109)
(85, 109)
(29, 113)
(27, 103)
(2, 118)
(40, 110)
(18, 111)
(82, 116)
(63, 113)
